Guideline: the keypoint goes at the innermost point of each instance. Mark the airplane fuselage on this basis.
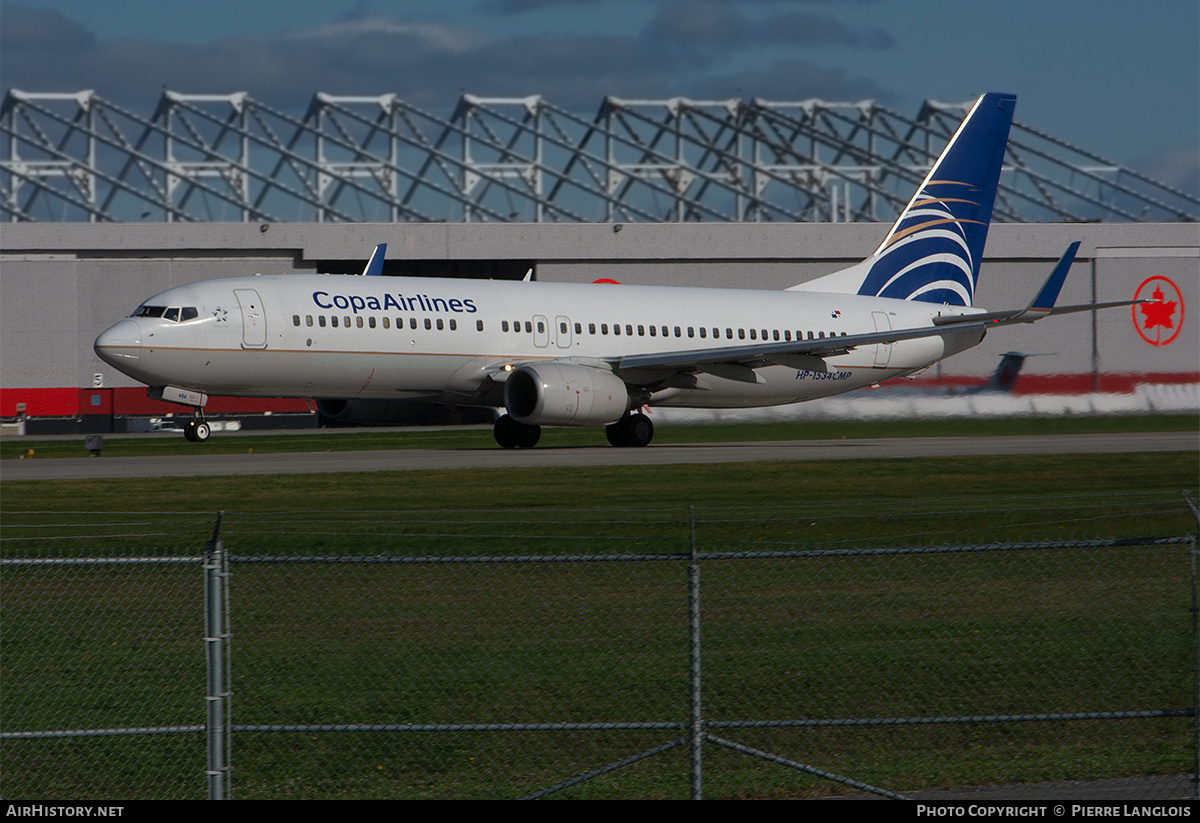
(448, 340)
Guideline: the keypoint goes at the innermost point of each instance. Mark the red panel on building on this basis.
(131, 401)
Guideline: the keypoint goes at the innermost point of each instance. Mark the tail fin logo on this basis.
(933, 251)
(929, 256)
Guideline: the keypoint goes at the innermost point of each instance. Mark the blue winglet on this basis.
(374, 266)
(1048, 296)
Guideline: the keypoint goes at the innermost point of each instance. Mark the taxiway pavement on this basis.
(211, 465)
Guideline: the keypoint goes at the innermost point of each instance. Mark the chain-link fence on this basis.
(657, 653)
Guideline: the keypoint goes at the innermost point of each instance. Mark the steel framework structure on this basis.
(201, 157)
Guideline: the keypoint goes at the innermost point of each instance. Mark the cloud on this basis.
(688, 47)
(794, 79)
(1178, 168)
(522, 6)
(709, 24)
(35, 44)
(514, 7)
(47, 52)
(27, 31)
(347, 32)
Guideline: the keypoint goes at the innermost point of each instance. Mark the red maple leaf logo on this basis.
(1159, 311)
(1158, 321)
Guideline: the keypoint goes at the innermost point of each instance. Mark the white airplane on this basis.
(561, 354)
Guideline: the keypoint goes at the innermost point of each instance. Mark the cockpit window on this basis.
(174, 313)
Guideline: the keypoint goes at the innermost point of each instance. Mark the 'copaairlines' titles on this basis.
(389, 302)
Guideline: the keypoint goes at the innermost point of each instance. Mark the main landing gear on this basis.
(510, 434)
(631, 430)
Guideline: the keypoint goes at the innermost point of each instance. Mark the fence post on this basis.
(217, 695)
(697, 725)
(1191, 501)
(1195, 671)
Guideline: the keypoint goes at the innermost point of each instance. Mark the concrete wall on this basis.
(62, 284)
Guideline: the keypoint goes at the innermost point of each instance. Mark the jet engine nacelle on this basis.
(561, 394)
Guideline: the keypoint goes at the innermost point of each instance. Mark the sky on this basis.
(1117, 78)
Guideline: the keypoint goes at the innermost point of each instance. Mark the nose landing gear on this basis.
(196, 431)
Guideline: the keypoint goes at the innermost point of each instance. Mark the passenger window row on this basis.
(517, 326)
(346, 322)
(704, 332)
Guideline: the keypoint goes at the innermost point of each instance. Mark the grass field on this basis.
(1003, 632)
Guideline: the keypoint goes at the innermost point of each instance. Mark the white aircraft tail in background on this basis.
(1004, 378)
(562, 354)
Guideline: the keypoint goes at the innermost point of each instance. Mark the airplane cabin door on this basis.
(541, 331)
(563, 328)
(883, 351)
(254, 319)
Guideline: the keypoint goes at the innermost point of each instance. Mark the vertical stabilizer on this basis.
(1005, 376)
(374, 267)
(933, 251)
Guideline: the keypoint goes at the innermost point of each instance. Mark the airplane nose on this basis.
(121, 344)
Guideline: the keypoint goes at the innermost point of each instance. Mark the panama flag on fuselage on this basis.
(932, 253)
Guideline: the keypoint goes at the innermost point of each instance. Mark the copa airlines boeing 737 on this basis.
(592, 355)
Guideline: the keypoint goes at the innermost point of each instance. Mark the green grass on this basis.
(873, 636)
(481, 437)
(1021, 632)
(621, 507)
